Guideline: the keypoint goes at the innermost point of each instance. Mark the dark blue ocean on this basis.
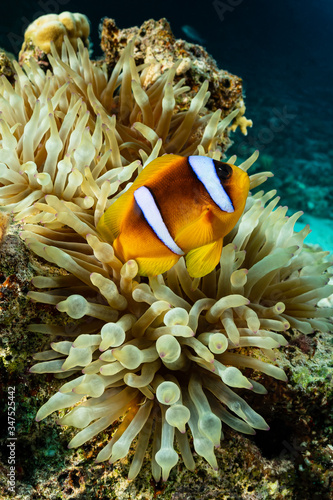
(283, 52)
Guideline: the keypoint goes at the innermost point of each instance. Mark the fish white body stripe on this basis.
(153, 216)
(204, 169)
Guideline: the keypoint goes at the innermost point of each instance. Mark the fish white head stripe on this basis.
(153, 216)
(204, 169)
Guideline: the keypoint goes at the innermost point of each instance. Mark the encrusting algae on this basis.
(166, 353)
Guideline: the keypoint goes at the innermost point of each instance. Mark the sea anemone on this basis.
(172, 348)
(163, 352)
(58, 135)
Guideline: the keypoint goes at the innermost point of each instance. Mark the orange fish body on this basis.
(176, 206)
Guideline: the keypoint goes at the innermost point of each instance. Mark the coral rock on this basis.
(155, 43)
(53, 28)
(6, 65)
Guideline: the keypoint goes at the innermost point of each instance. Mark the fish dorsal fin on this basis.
(203, 260)
(156, 167)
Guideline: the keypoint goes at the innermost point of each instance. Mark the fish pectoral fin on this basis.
(197, 233)
(203, 260)
(152, 266)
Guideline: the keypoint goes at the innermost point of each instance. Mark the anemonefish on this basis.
(176, 206)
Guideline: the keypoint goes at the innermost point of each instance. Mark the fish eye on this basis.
(223, 170)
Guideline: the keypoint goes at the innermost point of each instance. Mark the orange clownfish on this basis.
(176, 206)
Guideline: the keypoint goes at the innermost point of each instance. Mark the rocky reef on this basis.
(156, 45)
